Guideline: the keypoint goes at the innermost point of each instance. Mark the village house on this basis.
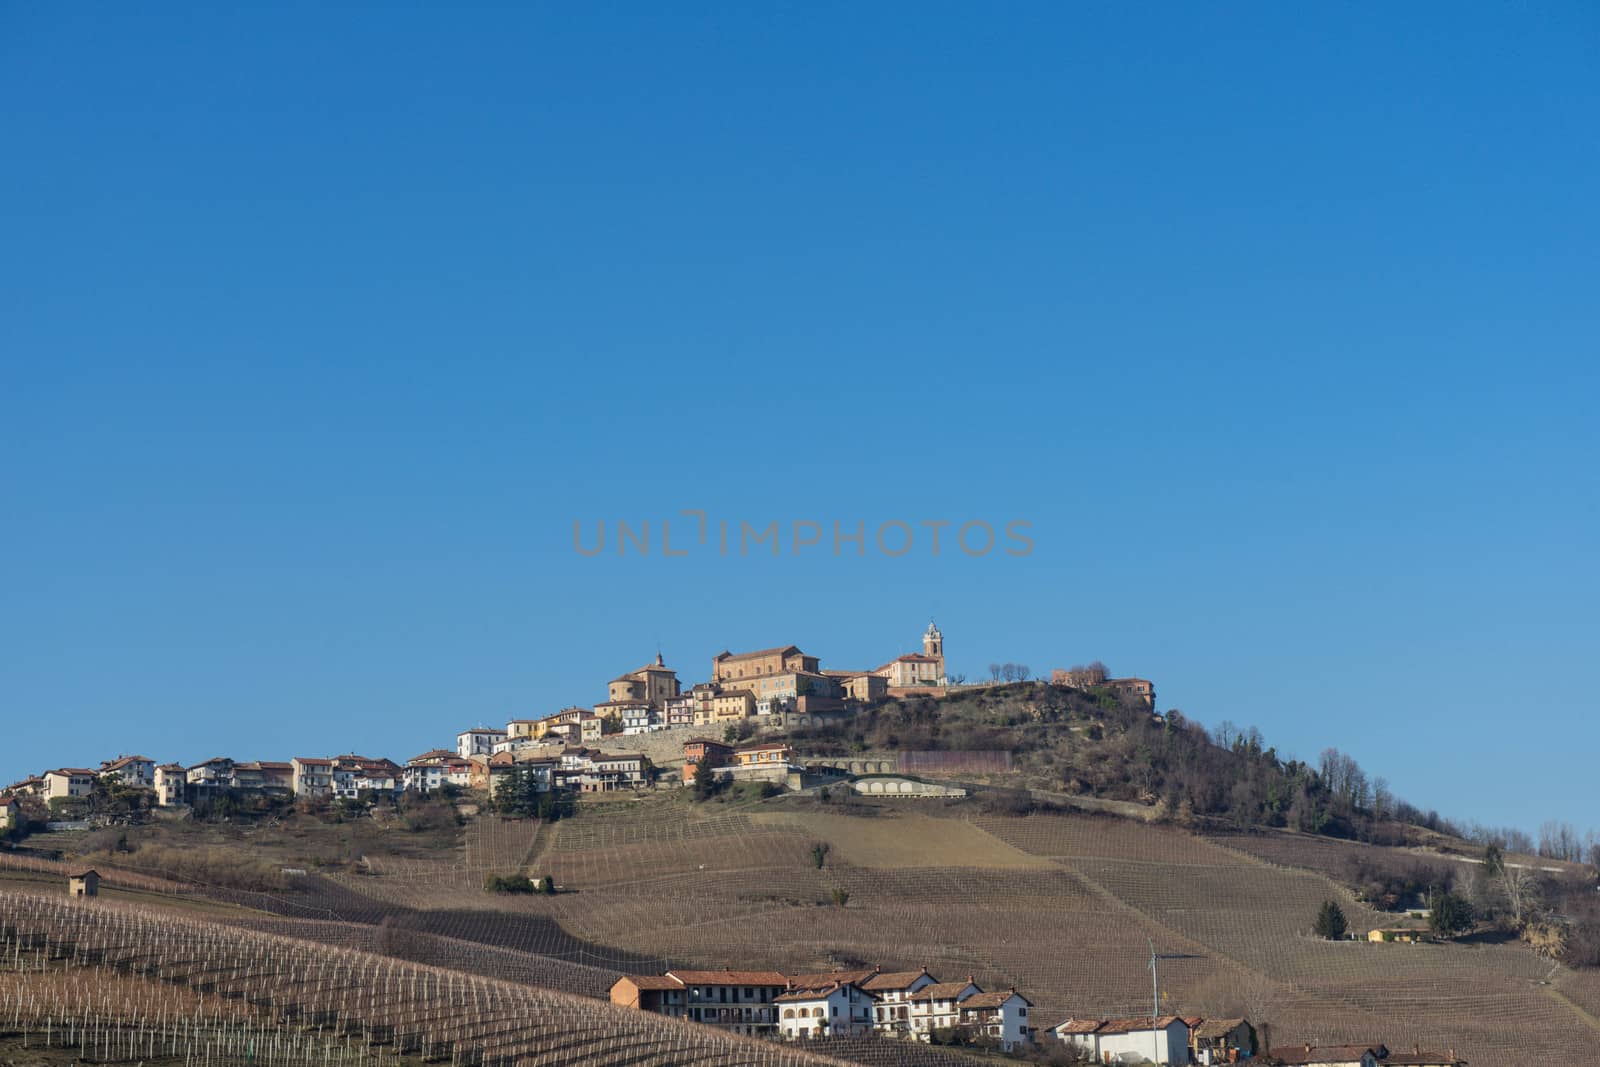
(1000, 1017)
(864, 687)
(67, 782)
(678, 711)
(598, 772)
(1162, 1041)
(636, 717)
(312, 777)
(1218, 1041)
(730, 705)
(170, 780)
(825, 1006)
(774, 753)
(264, 776)
(893, 990)
(934, 1007)
(740, 1001)
(1308, 1055)
(32, 786)
(9, 815)
(704, 753)
(478, 741)
(212, 774)
(136, 771)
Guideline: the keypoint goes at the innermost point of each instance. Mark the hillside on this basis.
(1062, 905)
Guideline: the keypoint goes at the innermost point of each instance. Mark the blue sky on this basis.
(320, 327)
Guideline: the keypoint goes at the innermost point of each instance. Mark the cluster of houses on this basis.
(915, 1005)
(345, 777)
(846, 1003)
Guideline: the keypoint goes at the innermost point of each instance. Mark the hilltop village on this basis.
(714, 728)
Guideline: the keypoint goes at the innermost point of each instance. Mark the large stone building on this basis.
(917, 670)
(653, 684)
(740, 668)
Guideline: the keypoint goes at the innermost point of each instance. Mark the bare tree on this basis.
(1224, 734)
(994, 672)
(1024, 672)
(1524, 894)
(1382, 799)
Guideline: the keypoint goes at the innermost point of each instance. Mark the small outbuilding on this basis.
(86, 884)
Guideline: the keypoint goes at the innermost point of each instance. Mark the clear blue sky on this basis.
(320, 326)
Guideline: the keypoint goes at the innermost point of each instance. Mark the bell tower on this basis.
(933, 645)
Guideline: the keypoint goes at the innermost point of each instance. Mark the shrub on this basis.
(509, 883)
(819, 854)
(841, 895)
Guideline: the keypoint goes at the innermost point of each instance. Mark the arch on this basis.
(788, 1013)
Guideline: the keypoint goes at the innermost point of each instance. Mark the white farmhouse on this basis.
(1000, 1016)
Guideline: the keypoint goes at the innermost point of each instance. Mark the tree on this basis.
(1494, 861)
(1331, 924)
(1024, 672)
(1451, 915)
(1524, 894)
(994, 672)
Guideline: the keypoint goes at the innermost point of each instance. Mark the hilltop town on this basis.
(760, 722)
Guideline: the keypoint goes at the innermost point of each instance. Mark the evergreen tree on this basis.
(1331, 924)
(1451, 915)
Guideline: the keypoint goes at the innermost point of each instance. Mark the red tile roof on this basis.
(652, 981)
(730, 977)
(1310, 1054)
(893, 980)
(1138, 1023)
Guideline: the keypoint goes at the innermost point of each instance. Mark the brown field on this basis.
(1065, 907)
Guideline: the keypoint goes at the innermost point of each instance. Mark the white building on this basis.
(8, 812)
(1001, 1017)
(136, 771)
(833, 1009)
(478, 741)
(934, 1007)
(892, 990)
(1163, 1041)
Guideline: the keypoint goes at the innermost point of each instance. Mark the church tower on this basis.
(933, 645)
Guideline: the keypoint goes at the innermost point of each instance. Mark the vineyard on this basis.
(122, 983)
(1064, 907)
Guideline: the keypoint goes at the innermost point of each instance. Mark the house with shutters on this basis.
(1000, 1017)
(935, 1007)
(893, 989)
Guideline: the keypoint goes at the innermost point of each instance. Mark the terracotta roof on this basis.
(729, 656)
(1077, 1026)
(768, 747)
(1308, 1054)
(1215, 1027)
(992, 1000)
(313, 762)
(735, 693)
(81, 771)
(817, 981)
(730, 977)
(1134, 1025)
(273, 765)
(1421, 1059)
(807, 993)
(940, 991)
(652, 981)
(894, 980)
(6, 802)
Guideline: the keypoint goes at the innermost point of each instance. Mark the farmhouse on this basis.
(1162, 1040)
(312, 777)
(1001, 1017)
(85, 884)
(660, 994)
(821, 1006)
(892, 1015)
(1403, 935)
(933, 1007)
(68, 782)
(741, 1001)
(1221, 1040)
